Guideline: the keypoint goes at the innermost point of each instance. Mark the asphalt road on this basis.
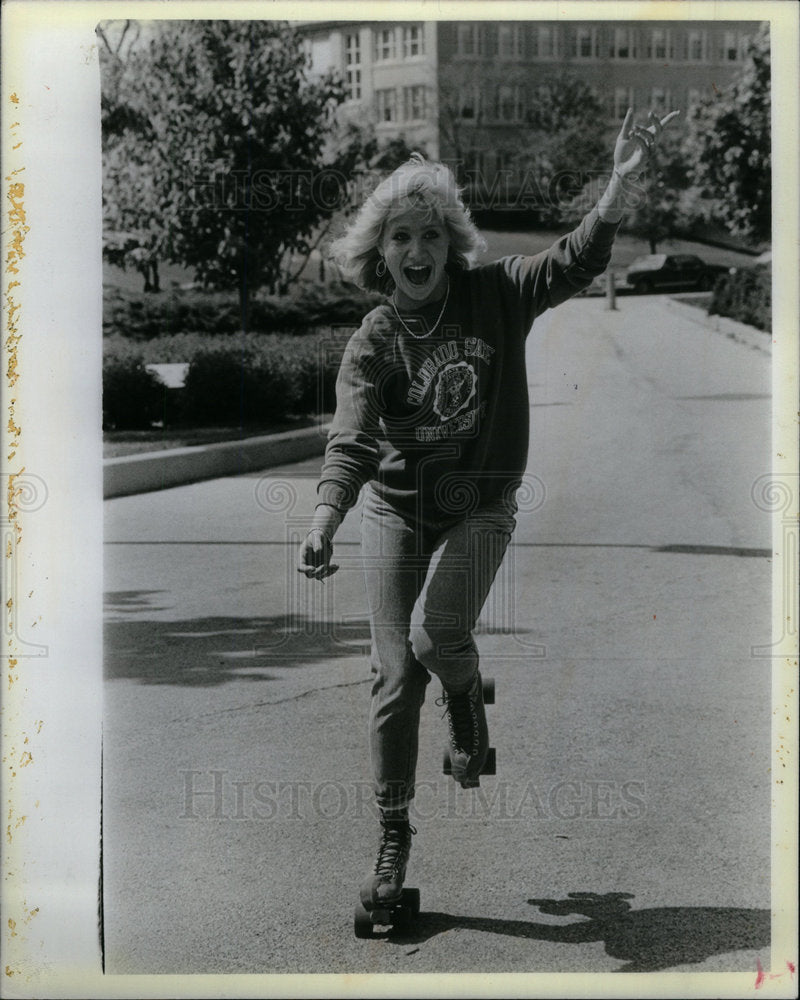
(627, 828)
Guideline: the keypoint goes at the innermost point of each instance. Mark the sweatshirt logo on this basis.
(444, 358)
(455, 387)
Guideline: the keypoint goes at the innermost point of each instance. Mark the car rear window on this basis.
(650, 261)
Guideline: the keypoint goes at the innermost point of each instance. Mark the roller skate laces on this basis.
(469, 736)
(385, 884)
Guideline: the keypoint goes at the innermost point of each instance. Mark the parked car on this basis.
(673, 271)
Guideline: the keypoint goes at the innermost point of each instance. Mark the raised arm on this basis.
(631, 155)
(575, 260)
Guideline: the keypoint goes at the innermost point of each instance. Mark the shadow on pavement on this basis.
(133, 600)
(648, 940)
(204, 652)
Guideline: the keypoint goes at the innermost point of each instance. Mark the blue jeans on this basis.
(426, 584)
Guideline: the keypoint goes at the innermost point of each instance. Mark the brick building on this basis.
(462, 89)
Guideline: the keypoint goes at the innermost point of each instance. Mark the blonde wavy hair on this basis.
(416, 182)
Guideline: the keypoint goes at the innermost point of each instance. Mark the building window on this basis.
(693, 97)
(353, 84)
(470, 39)
(352, 49)
(660, 98)
(544, 42)
(413, 43)
(414, 103)
(474, 162)
(470, 103)
(624, 44)
(730, 47)
(623, 99)
(509, 103)
(697, 46)
(744, 47)
(509, 41)
(352, 58)
(659, 45)
(583, 44)
(504, 160)
(386, 105)
(384, 45)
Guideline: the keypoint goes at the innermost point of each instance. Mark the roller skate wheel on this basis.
(362, 922)
(489, 767)
(411, 901)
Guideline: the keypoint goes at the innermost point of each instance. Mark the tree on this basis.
(565, 124)
(544, 139)
(213, 148)
(658, 206)
(662, 204)
(350, 148)
(391, 155)
(117, 40)
(565, 142)
(460, 111)
(122, 247)
(729, 145)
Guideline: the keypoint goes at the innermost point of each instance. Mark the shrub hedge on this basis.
(745, 296)
(231, 380)
(310, 305)
(133, 398)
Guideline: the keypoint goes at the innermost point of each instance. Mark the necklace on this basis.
(422, 336)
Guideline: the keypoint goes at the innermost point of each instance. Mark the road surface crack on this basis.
(269, 704)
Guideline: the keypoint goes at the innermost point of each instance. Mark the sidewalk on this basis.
(740, 332)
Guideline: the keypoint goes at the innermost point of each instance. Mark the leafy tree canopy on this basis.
(729, 143)
(556, 132)
(659, 206)
(214, 146)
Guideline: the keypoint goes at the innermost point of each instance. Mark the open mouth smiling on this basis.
(418, 275)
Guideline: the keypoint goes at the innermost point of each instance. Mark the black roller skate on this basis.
(383, 898)
(469, 754)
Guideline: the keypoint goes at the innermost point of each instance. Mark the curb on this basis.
(159, 470)
(741, 333)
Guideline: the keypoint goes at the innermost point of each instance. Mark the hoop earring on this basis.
(380, 267)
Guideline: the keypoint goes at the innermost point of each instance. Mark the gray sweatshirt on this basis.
(439, 424)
